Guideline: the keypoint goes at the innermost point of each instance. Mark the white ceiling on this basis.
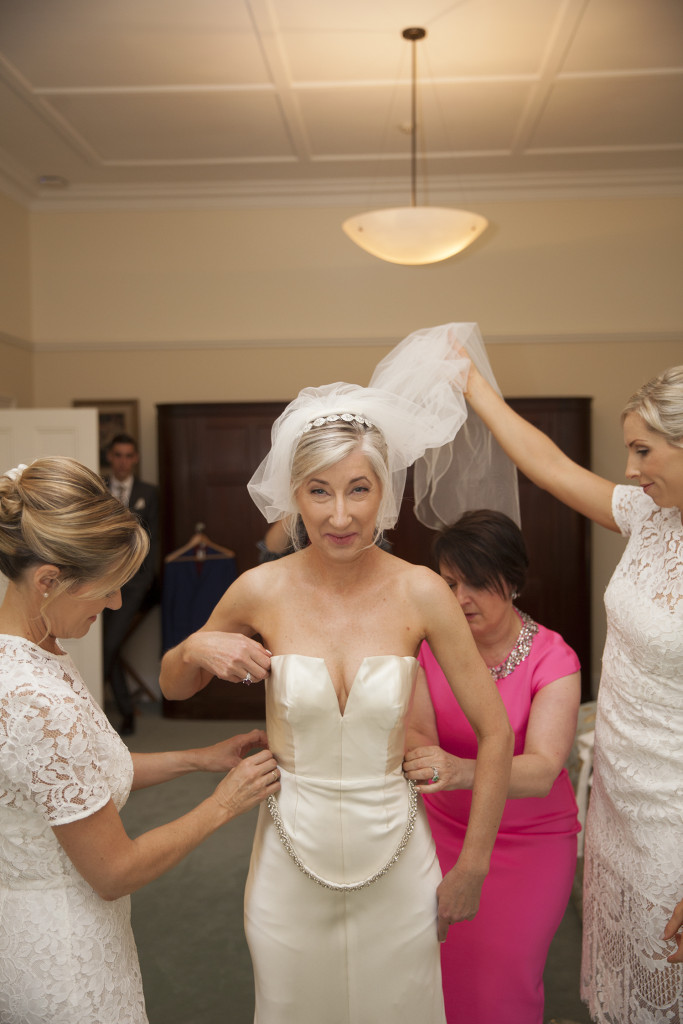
(295, 101)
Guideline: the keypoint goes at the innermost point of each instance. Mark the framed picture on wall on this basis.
(114, 416)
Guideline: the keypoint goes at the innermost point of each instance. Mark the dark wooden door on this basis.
(208, 452)
(558, 590)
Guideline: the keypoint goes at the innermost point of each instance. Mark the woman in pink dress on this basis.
(492, 966)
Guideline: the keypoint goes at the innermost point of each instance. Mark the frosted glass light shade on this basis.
(413, 235)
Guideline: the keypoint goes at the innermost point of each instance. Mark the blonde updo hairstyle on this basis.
(326, 445)
(660, 404)
(58, 512)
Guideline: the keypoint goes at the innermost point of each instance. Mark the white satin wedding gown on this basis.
(326, 955)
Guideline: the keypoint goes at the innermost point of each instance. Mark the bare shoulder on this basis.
(262, 581)
(418, 584)
(242, 598)
(419, 579)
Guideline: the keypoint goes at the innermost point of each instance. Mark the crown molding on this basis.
(645, 337)
(368, 192)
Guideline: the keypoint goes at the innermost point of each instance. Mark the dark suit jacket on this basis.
(144, 503)
(138, 593)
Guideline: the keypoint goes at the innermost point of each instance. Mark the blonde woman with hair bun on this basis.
(67, 866)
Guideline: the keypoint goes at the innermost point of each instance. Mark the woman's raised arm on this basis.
(538, 457)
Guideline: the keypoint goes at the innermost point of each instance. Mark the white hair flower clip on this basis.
(15, 474)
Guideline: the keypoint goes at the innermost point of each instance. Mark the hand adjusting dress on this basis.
(323, 956)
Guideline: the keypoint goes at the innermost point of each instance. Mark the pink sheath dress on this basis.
(492, 966)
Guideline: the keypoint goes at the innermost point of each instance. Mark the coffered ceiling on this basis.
(308, 101)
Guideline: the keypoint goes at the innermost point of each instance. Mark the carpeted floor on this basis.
(188, 924)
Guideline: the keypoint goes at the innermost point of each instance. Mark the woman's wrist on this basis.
(475, 869)
(473, 384)
(191, 760)
(188, 651)
(462, 773)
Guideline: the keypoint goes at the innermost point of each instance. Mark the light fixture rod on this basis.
(414, 235)
(413, 35)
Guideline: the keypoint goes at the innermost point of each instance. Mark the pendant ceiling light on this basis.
(413, 235)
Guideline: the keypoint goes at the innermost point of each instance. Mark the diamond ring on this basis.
(247, 679)
(435, 774)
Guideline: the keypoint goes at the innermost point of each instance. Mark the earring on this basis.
(514, 595)
(46, 594)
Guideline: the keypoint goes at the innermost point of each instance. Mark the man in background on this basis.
(142, 499)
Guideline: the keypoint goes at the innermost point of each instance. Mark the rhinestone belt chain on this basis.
(345, 886)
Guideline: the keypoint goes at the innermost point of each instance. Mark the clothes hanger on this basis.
(196, 548)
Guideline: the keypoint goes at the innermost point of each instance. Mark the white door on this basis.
(27, 434)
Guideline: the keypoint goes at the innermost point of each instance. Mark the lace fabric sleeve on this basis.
(46, 757)
(629, 505)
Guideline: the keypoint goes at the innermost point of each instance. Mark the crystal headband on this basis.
(347, 417)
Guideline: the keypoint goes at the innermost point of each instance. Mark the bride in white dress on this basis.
(632, 971)
(345, 904)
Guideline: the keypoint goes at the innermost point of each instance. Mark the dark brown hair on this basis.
(486, 550)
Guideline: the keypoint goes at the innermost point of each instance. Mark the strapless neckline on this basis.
(359, 670)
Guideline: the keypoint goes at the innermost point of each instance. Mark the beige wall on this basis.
(187, 276)
(575, 297)
(15, 269)
(16, 375)
(16, 364)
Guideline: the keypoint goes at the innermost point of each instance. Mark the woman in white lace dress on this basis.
(67, 866)
(632, 970)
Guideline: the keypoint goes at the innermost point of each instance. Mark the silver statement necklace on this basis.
(521, 649)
